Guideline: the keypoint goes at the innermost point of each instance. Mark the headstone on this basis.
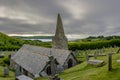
(1, 55)
(89, 53)
(109, 61)
(103, 49)
(6, 71)
(76, 53)
(111, 48)
(118, 50)
(87, 57)
(95, 54)
(101, 53)
(17, 70)
(59, 41)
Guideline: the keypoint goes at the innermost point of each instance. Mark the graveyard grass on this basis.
(82, 71)
(11, 73)
(88, 72)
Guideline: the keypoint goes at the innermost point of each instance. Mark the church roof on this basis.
(34, 58)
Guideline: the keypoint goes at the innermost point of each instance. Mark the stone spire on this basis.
(59, 40)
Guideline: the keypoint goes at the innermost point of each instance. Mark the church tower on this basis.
(59, 41)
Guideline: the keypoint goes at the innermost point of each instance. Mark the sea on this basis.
(49, 40)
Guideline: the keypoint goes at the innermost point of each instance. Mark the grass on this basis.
(11, 73)
(84, 71)
(2, 77)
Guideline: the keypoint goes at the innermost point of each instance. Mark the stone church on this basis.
(34, 61)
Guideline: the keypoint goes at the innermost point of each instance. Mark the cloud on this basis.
(80, 17)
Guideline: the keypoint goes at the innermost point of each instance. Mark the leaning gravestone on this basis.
(6, 71)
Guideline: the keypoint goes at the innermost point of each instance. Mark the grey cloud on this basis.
(100, 17)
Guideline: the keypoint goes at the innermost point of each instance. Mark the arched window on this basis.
(48, 70)
(70, 63)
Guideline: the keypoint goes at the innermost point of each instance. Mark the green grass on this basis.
(84, 71)
(2, 77)
(11, 73)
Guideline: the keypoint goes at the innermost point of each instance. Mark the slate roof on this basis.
(34, 58)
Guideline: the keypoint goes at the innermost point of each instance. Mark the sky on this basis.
(81, 18)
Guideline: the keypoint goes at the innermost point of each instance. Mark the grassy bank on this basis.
(84, 71)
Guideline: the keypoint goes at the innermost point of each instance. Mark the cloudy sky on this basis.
(81, 18)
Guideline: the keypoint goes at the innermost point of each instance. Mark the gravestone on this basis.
(111, 48)
(95, 54)
(103, 49)
(76, 53)
(59, 41)
(6, 71)
(89, 53)
(87, 56)
(101, 53)
(109, 61)
(1, 55)
(118, 50)
(17, 70)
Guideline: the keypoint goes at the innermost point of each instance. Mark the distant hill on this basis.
(98, 38)
(33, 37)
(13, 43)
(7, 42)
